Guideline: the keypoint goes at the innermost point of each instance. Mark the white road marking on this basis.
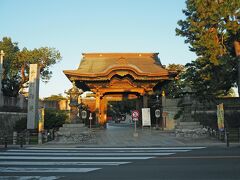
(61, 170)
(88, 154)
(30, 177)
(78, 158)
(46, 163)
(120, 148)
(90, 151)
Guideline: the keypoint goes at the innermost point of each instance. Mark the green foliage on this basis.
(20, 125)
(54, 118)
(211, 27)
(55, 98)
(17, 62)
(209, 81)
(174, 88)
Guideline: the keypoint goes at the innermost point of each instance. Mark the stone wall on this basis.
(14, 104)
(8, 120)
(205, 113)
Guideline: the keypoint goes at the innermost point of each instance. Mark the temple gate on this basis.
(114, 76)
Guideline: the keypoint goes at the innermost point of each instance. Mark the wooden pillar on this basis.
(101, 108)
(103, 111)
(145, 101)
(97, 106)
(138, 103)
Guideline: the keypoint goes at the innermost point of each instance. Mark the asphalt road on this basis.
(210, 163)
(122, 163)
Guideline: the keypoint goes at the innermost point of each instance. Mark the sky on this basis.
(83, 26)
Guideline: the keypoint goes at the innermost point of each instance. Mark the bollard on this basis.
(21, 140)
(227, 138)
(14, 138)
(5, 141)
(40, 138)
(27, 138)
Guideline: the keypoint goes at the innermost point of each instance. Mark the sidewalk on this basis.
(121, 135)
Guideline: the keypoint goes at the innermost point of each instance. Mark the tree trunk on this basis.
(237, 51)
(23, 74)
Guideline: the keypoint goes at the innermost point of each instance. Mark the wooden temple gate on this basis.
(114, 76)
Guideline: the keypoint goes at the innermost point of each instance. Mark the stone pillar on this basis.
(1, 76)
(33, 96)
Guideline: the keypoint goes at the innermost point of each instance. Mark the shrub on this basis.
(54, 118)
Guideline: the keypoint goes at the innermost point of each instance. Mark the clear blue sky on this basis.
(80, 26)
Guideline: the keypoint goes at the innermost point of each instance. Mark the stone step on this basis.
(75, 131)
(73, 125)
(189, 127)
(67, 133)
(189, 123)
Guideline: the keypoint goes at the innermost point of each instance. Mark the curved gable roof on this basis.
(102, 64)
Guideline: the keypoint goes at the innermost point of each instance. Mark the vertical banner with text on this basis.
(41, 120)
(220, 117)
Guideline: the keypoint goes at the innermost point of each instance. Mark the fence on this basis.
(26, 138)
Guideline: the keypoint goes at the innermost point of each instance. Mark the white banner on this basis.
(146, 118)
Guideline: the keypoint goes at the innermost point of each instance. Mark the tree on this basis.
(174, 88)
(55, 98)
(17, 63)
(211, 27)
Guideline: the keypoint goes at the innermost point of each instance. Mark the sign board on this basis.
(220, 117)
(84, 114)
(90, 116)
(135, 115)
(146, 117)
(164, 114)
(157, 113)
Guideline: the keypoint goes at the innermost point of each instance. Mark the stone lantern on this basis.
(74, 93)
(187, 104)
